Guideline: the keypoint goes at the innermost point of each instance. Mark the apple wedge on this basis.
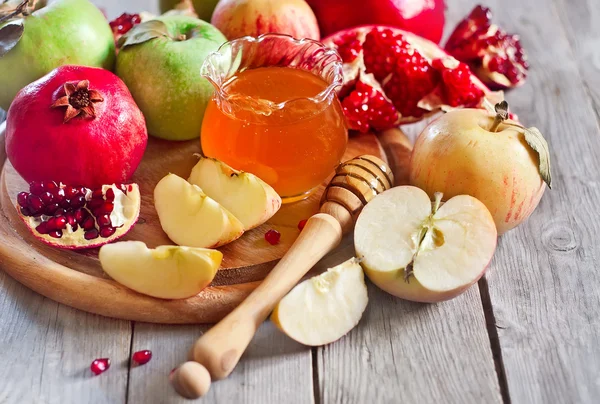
(324, 308)
(166, 272)
(190, 217)
(418, 250)
(249, 198)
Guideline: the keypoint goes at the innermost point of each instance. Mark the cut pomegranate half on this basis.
(496, 57)
(392, 77)
(71, 217)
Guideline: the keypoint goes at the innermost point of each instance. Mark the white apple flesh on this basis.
(324, 308)
(246, 196)
(191, 218)
(166, 272)
(416, 250)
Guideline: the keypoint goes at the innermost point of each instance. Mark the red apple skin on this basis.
(423, 17)
(238, 18)
(455, 155)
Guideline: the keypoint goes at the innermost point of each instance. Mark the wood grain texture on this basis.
(274, 369)
(545, 287)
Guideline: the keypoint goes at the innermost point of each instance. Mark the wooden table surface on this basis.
(529, 332)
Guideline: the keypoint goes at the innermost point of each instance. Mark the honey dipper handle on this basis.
(221, 347)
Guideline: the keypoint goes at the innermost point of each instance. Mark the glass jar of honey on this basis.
(274, 111)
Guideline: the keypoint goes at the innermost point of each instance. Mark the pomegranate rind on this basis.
(74, 240)
(355, 70)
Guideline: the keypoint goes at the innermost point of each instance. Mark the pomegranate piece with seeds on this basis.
(392, 77)
(496, 57)
(123, 24)
(77, 217)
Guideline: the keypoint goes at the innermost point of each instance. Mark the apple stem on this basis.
(501, 115)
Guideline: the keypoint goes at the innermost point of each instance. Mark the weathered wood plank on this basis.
(274, 369)
(545, 289)
(47, 349)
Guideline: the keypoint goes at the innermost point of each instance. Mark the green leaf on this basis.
(535, 139)
(144, 32)
(10, 35)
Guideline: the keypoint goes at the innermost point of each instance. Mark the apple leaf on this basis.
(535, 139)
(144, 32)
(10, 35)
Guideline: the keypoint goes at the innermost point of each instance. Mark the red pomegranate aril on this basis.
(110, 195)
(88, 223)
(82, 191)
(59, 194)
(59, 212)
(301, 224)
(80, 214)
(47, 198)
(57, 223)
(36, 187)
(103, 221)
(49, 185)
(51, 209)
(95, 203)
(108, 231)
(26, 212)
(70, 191)
(91, 234)
(107, 207)
(98, 194)
(22, 199)
(272, 237)
(78, 202)
(136, 19)
(142, 357)
(35, 203)
(42, 228)
(55, 233)
(65, 203)
(100, 365)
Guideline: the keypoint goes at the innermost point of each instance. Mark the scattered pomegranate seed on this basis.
(273, 237)
(142, 357)
(122, 24)
(100, 366)
(301, 224)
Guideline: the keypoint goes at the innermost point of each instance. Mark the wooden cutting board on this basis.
(75, 278)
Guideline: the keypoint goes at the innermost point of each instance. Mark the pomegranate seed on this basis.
(91, 234)
(106, 232)
(59, 212)
(65, 203)
(98, 194)
(36, 188)
(272, 237)
(100, 366)
(78, 202)
(71, 219)
(26, 212)
(95, 204)
(22, 199)
(106, 207)
(42, 228)
(301, 224)
(142, 357)
(58, 223)
(51, 209)
(110, 195)
(103, 221)
(88, 223)
(49, 185)
(80, 214)
(55, 233)
(35, 203)
(70, 191)
(82, 191)
(59, 194)
(47, 198)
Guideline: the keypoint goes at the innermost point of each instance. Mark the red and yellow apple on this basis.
(238, 18)
(458, 154)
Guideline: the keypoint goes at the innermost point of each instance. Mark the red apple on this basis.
(238, 18)
(423, 17)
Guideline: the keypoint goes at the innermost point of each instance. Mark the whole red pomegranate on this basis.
(76, 125)
(423, 17)
(392, 76)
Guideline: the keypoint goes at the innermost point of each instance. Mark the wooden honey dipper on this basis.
(216, 353)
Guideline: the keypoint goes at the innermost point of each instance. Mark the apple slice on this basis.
(324, 308)
(421, 251)
(166, 272)
(249, 198)
(190, 217)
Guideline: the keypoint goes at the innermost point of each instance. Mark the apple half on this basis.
(166, 272)
(324, 308)
(417, 250)
(190, 217)
(249, 198)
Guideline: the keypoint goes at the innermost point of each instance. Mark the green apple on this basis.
(161, 66)
(59, 32)
(204, 8)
